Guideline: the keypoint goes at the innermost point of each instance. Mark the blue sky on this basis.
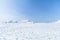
(34, 10)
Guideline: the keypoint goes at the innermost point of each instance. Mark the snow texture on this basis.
(25, 30)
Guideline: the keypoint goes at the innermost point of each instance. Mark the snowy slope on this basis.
(25, 30)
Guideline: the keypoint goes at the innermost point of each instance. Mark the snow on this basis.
(29, 31)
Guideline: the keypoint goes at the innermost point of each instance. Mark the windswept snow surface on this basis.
(25, 30)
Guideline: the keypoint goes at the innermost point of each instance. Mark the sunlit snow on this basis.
(25, 30)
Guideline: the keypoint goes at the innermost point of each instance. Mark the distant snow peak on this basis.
(28, 21)
(24, 21)
(11, 21)
(20, 21)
